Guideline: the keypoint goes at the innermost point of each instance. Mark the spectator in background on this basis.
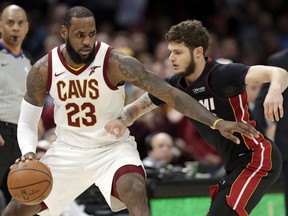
(230, 49)
(160, 151)
(161, 52)
(139, 43)
(162, 159)
(15, 64)
(130, 13)
(279, 59)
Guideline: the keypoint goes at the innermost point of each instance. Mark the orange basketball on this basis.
(30, 182)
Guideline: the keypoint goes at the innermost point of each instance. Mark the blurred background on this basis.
(245, 31)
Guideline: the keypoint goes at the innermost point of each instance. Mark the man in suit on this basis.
(279, 59)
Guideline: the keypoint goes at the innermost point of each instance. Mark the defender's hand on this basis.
(227, 128)
(273, 107)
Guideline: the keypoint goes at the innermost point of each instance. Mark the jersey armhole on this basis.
(49, 80)
(105, 69)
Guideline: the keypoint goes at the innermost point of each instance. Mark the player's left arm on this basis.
(278, 78)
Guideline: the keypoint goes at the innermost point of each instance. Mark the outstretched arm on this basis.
(125, 68)
(143, 105)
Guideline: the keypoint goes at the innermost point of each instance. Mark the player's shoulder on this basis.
(233, 66)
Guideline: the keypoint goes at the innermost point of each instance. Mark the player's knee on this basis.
(131, 184)
(138, 186)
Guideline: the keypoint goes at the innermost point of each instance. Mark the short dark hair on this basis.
(191, 32)
(76, 12)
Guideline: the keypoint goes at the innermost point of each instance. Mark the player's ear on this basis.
(64, 32)
(198, 51)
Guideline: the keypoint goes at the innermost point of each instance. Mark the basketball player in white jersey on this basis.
(86, 80)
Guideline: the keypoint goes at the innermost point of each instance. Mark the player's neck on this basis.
(69, 62)
(76, 68)
(199, 67)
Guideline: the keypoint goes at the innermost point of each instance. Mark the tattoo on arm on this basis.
(133, 71)
(37, 82)
(128, 66)
(145, 102)
(136, 109)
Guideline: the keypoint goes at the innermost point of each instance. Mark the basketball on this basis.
(30, 182)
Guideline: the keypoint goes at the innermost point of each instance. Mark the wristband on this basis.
(215, 122)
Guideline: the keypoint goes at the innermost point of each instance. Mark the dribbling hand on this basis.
(27, 156)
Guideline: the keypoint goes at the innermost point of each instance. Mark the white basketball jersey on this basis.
(84, 100)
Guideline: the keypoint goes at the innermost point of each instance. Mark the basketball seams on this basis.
(45, 167)
(32, 169)
(28, 185)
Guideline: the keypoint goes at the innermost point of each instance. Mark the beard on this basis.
(77, 58)
(189, 70)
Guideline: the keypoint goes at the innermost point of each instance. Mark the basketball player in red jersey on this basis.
(86, 79)
(253, 165)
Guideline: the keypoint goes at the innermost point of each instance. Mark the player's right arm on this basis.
(128, 69)
(31, 108)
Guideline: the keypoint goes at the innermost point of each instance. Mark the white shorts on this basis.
(76, 169)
